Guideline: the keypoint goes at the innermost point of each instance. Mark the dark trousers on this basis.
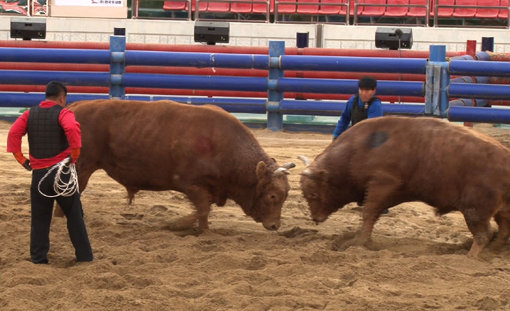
(42, 210)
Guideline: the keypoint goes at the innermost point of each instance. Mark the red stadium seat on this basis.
(307, 8)
(261, 8)
(175, 5)
(503, 13)
(332, 9)
(418, 11)
(487, 13)
(219, 7)
(286, 6)
(373, 10)
(184, 5)
(464, 12)
(202, 5)
(442, 12)
(351, 10)
(397, 11)
(240, 7)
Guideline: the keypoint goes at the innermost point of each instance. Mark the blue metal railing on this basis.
(437, 89)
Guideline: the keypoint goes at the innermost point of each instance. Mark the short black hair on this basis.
(55, 89)
(367, 83)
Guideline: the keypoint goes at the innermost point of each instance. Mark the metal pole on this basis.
(195, 82)
(474, 67)
(193, 59)
(44, 77)
(478, 114)
(274, 95)
(354, 64)
(117, 66)
(54, 55)
(437, 80)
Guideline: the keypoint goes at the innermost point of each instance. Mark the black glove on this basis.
(69, 161)
(27, 165)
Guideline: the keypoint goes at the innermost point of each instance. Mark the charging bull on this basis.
(203, 152)
(382, 162)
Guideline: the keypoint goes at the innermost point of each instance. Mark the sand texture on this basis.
(419, 261)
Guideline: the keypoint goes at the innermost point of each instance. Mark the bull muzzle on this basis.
(319, 218)
(272, 225)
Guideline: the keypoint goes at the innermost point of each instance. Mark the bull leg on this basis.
(502, 218)
(480, 228)
(379, 195)
(184, 223)
(58, 212)
(84, 174)
(201, 200)
(83, 178)
(131, 194)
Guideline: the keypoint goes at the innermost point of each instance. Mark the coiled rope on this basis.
(60, 187)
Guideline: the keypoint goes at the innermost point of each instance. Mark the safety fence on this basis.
(436, 88)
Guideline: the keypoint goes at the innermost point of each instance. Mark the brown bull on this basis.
(382, 162)
(203, 152)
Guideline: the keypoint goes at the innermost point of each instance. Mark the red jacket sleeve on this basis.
(71, 128)
(17, 131)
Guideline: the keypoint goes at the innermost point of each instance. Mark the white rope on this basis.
(60, 187)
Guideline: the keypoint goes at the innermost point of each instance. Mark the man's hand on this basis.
(75, 154)
(27, 165)
(22, 160)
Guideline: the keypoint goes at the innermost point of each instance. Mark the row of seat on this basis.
(391, 8)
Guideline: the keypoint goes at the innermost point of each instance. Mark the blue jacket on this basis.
(374, 111)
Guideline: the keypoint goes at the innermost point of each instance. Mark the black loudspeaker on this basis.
(119, 31)
(302, 39)
(212, 32)
(28, 28)
(388, 38)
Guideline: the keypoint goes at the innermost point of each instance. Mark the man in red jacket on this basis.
(53, 135)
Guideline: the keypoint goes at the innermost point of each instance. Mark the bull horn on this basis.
(307, 172)
(304, 159)
(280, 171)
(288, 165)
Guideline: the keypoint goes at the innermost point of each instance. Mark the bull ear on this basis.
(261, 170)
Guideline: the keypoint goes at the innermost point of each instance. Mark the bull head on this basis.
(271, 192)
(316, 190)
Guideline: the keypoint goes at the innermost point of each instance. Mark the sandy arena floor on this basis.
(421, 263)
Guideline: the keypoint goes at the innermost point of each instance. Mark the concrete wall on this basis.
(256, 34)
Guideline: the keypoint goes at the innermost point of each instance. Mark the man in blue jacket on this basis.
(361, 106)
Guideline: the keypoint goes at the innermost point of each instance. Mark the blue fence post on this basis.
(117, 66)
(274, 97)
(437, 82)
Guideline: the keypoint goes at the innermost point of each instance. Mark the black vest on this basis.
(46, 138)
(359, 114)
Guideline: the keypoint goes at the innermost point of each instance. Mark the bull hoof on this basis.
(342, 244)
(193, 231)
(183, 223)
(497, 246)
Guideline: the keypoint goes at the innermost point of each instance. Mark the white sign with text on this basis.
(92, 3)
